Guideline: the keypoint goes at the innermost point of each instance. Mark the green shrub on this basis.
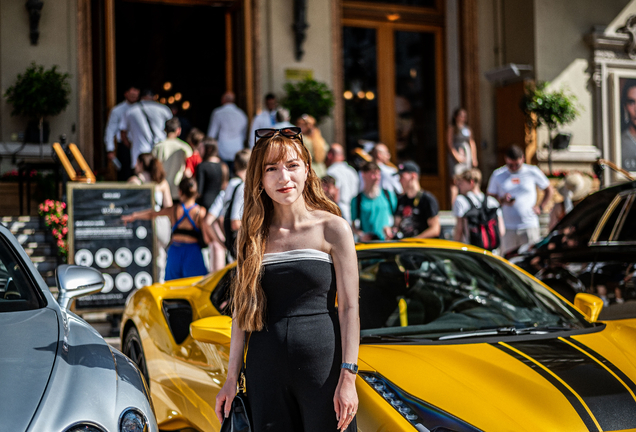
(39, 93)
(308, 97)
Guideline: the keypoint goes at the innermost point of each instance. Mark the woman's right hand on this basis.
(128, 218)
(224, 400)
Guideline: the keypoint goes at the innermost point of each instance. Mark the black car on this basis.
(592, 249)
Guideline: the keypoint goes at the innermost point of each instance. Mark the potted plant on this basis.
(308, 97)
(39, 93)
(552, 109)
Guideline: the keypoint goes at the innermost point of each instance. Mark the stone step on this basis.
(38, 243)
(17, 223)
(35, 249)
(30, 236)
(49, 278)
(44, 264)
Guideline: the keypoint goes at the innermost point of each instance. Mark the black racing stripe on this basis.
(611, 366)
(607, 398)
(574, 401)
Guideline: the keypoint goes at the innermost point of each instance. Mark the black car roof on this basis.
(594, 203)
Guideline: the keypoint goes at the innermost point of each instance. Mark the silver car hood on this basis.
(27, 356)
(90, 383)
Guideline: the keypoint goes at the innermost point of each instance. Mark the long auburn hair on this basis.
(248, 297)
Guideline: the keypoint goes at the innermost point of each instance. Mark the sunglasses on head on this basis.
(289, 132)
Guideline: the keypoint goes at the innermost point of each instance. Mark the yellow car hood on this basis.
(518, 384)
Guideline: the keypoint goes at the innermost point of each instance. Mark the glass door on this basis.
(394, 93)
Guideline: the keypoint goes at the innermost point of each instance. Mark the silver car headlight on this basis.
(132, 421)
(423, 416)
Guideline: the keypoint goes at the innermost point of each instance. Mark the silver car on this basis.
(56, 372)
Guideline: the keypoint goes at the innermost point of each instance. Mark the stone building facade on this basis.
(398, 68)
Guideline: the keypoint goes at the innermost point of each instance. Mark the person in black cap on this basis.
(417, 210)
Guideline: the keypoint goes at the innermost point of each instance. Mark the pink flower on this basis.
(64, 231)
(63, 205)
(65, 218)
(54, 232)
(60, 243)
(46, 208)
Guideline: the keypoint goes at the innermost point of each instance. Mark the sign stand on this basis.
(98, 238)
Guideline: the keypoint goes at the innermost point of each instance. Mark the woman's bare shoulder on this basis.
(336, 229)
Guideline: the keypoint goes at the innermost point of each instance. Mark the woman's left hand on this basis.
(346, 399)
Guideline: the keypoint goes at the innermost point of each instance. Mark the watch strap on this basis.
(351, 367)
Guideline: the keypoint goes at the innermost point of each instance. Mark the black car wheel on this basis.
(135, 351)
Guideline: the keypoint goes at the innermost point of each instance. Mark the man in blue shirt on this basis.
(372, 209)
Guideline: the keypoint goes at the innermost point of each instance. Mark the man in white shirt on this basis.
(228, 125)
(116, 150)
(515, 187)
(144, 124)
(346, 178)
(389, 181)
(265, 119)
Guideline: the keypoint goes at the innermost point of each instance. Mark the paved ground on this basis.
(619, 311)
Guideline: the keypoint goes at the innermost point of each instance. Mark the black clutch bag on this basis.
(239, 419)
(240, 416)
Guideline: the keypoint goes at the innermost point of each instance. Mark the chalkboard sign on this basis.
(124, 253)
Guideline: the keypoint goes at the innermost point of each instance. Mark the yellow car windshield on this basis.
(430, 293)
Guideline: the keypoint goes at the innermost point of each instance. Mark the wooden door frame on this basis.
(85, 81)
(386, 90)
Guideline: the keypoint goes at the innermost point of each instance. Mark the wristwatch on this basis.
(351, 367)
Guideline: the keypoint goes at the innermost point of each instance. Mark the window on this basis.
(220, 297)
(604, 236)
(628, 226)
(429, 293)
(17, 292)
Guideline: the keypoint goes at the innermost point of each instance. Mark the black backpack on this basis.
(483, 225)
(230, 236)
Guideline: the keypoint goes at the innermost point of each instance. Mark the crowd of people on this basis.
(205, 176)
(199, 180)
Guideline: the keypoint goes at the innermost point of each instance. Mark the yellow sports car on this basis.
(452, 339)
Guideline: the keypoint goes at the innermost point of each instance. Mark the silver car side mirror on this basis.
(75, 281)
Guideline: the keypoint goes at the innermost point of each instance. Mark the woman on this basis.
(211, 174)
(195, 138)
(462, 151)
(150, 169)
(314, 141)
(294, 254)
(189, 232)
(212, 177)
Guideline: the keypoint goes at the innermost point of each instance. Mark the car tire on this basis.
(135, 351)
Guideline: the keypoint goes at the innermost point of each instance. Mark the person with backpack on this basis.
(230, 217)
(417, 210)
(477, 224)
(372, 209)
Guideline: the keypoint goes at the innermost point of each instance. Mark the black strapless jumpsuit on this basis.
(293, 364)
